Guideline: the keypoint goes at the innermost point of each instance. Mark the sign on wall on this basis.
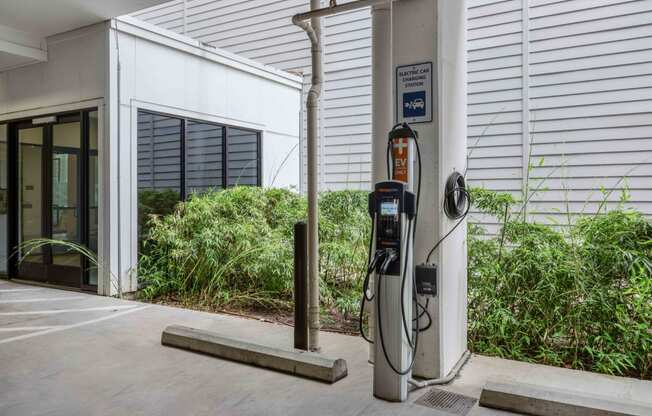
(414, 93)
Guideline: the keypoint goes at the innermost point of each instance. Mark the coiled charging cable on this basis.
(457, 203)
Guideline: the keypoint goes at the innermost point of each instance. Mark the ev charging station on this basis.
(415, 286)
(419, 77)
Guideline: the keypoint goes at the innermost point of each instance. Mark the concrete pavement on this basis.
(68, 353)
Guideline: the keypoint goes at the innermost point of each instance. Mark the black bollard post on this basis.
(301, 286)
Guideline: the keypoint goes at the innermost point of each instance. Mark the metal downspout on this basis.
(313, 30)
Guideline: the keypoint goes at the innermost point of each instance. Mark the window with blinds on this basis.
(189, 156)
(159, 152)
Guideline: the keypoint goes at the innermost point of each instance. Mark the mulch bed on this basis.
(331, 320)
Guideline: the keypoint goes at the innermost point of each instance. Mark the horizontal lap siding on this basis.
(168, 15)
(590, 106)
(589, 101)
(347, 100)
(495, 100)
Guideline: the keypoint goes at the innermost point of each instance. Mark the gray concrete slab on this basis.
(300, 363)
(546, 401)
(111, 362)
(481, 369)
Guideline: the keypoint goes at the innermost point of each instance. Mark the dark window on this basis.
(159, 152)
(93, 190)
(204, 152)
(242, 156)
(188, 156)
(3, 198)
(159, 167)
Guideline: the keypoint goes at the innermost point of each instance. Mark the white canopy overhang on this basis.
(24, 24)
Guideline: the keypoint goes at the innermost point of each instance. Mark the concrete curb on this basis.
(296, 362)
(544, 401)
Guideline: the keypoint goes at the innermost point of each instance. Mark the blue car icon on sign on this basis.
(414, 104)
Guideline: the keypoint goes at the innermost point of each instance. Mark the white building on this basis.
(567, 84)
(564, 86)
(108, 111)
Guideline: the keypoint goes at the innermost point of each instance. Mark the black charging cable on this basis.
(371, 265)
(457, 203)
(382, 338)
(389, 158)
(405, 270)
(424, 312)
(378, 256)
(456, 200)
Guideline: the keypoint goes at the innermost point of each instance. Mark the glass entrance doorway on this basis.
(56, 197)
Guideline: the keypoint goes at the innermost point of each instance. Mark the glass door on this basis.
(56, 190)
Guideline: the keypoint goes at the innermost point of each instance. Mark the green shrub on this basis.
(344, 228)
(220, 247)
(236, 247)
(580, 299)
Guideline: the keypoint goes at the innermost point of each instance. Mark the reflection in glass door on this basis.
(30, 199)
(4, 199)
(66, 139)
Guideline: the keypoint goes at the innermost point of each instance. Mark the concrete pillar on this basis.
(435, 31)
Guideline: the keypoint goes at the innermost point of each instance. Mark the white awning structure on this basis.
(24, 24)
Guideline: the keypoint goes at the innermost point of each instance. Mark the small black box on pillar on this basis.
(426, 279)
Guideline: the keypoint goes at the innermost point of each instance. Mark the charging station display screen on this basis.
(389, 208)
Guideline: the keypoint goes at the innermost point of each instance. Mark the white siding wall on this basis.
(495, 99)
(591, 102)
(563, 85)
(566, 88)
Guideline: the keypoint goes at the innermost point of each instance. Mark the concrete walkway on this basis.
(66, 353)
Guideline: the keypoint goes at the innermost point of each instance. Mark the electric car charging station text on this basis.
(414, 93)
